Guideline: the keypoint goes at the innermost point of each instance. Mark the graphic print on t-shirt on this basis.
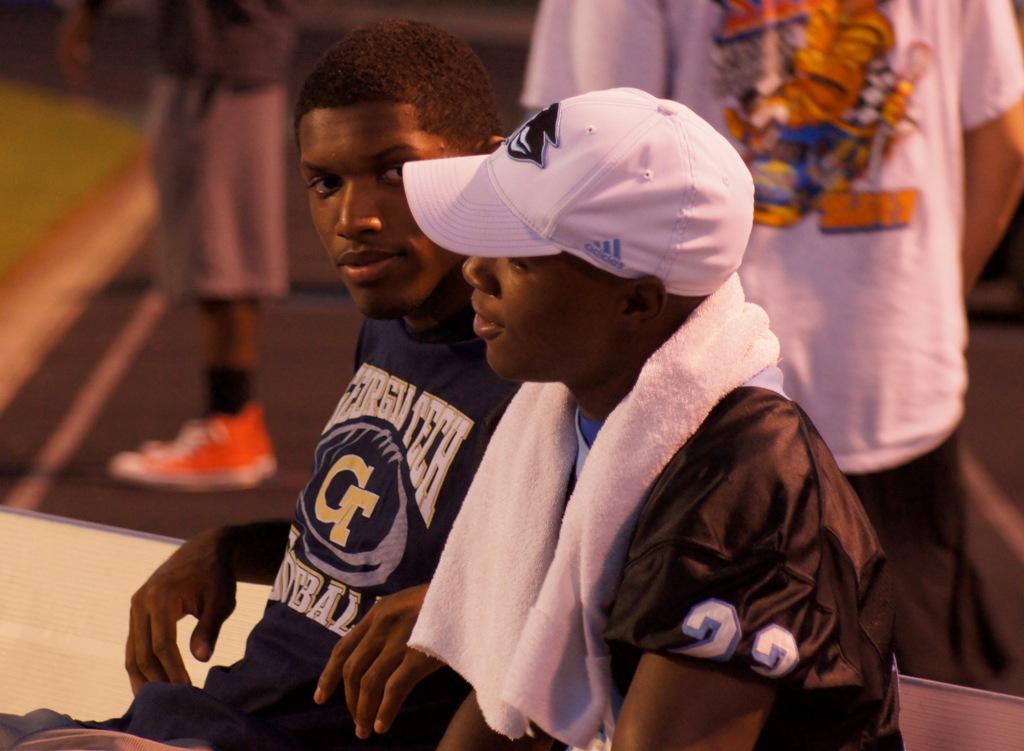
(820, 97)
(378, 470)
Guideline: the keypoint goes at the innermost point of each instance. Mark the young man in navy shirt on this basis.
(391, 467)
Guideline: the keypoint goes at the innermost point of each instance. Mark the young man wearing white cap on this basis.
(657, 546)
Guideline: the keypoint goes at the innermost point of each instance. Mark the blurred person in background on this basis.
(1008, 259)
(886, 142)
(216, 132)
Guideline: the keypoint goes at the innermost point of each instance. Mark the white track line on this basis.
(89, 401)
(993, 504)
(44, 295)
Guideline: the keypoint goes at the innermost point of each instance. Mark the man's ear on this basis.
(487, 145)
(643, 299)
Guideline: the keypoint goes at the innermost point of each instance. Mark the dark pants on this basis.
(943, 630)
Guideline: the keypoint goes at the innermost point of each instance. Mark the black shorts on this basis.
(943, 630)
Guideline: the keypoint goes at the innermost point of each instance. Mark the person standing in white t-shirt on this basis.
(886, 141)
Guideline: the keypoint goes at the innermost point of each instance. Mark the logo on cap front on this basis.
(530, 142)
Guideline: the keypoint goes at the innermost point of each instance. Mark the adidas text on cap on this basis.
(635, 185)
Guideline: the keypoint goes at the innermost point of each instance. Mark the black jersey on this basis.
(753, 551)
(389, 475)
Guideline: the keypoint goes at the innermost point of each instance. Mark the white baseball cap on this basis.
(635, 185)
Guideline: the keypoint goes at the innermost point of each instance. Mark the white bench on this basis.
(64, 596)
(65, 588)
(941, 717)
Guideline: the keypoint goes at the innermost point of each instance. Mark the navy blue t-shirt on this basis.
(389, 474)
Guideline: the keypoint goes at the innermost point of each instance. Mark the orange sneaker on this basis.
(218, 452)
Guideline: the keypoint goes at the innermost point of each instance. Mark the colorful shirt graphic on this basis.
(819, 104)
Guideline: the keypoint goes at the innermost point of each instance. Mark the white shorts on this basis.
(218, 161)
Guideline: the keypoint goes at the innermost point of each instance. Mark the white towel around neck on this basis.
(521, 594)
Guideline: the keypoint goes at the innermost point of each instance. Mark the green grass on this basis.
(53, 153)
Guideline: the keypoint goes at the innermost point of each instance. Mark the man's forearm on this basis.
(469, 732)
(256, 549)
(993, 181)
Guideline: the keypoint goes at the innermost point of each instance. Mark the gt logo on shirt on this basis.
(356, 498)
(430, 431)
(380, 464)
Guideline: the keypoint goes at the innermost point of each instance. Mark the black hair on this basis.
(407, 62)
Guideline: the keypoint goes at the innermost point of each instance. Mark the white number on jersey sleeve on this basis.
(716, 626)
(775, 649)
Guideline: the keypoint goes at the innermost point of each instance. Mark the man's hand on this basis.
(199, 580)
(74, 41)
(375, 663)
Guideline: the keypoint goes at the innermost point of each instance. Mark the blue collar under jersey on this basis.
(586, 434)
